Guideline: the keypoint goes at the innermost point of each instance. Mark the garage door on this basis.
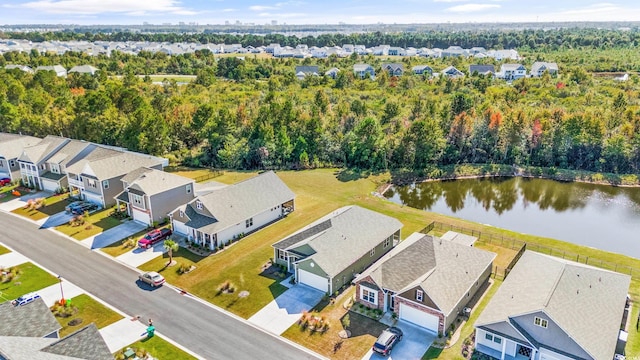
(313, 280)
(180, 228)
(141, 216)
(49, 185)
(93, 198)
(547, 357)
(420, 318)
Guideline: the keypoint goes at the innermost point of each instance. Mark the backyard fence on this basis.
(515, 244)
(212, 174)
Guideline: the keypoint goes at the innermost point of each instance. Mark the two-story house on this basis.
(97, 177)
(393, 69)
(33, 159)
(150, 195)
(512, 71)
(225, 213)
(362, 71)
(11, 147)
(538, 68)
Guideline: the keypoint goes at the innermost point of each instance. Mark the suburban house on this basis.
(422, 70)
(36, 161)
(83, 69)
(396, 51)
(393, 69)
(363, 70)
(482, 70)
(328, 253)
(512, 71)
(24, 68)
(451, 72)
(97, 177)
(425, 280)
(553, 309)
(332, 73)
(31, 332)
(58, 69)
(150, 195)
(11, 147)
(231, 211)
(304, 71)
(538, 68)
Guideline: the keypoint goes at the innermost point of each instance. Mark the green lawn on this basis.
(97, 223)
(5, 193)
(119, 247)
(4, 250)
(32, 278)
(89, 311)
(53, 205)
(156, 347)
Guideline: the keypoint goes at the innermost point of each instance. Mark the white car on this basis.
(25, 299)
(152, 278)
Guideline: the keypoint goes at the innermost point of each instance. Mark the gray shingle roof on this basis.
(586, 302)
(108, 164)
(83, 69)
(230, 205)
(511, 66)
(42, 150)
(86, 343)
(152, 181)
(69, 151)
(11, 147)
(30, 320)
(353, 232)
(482, 69)
(361, 67)
(549, 66)
(445, 270)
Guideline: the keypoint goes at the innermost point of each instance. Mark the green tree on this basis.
(171, 247)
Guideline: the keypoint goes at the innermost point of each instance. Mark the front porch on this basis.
(204, 240)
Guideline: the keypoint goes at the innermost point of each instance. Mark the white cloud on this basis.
(84, 7)
(261, 8)
(466, 8)
(593, 9)
(282, 15)
(450, 1)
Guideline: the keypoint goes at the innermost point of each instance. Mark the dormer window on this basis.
(540, 322)
(181, 213)
(419, 295)
(199, 205)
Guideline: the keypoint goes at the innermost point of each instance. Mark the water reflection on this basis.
(594, 215)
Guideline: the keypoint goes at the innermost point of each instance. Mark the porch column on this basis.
(533, 354)
(504, 348)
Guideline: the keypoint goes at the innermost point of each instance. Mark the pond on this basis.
(599, 216)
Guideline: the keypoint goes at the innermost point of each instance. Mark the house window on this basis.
(12, 163)
(55, 168)
(369, 296)
(199, 205)
(188, 188)
(419, 295)
(248, 223)
(282, 255)
(181, 213)
(540, 322)
(497, 340)
(137, 200)
(92, 183)
(488, 336)
(372, 252)
(105, 184)
(22, 165)
(43, 166)
(387, 242)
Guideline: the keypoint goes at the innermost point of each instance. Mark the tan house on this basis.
(11, 147)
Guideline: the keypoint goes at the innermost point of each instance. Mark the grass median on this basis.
(82, 311)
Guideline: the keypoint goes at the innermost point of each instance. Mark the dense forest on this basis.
(540, 40)
(254, 113)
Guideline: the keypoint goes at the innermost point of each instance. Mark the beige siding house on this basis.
(11, 147)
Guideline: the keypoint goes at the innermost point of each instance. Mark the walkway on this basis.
(12, 259)
(123, 333)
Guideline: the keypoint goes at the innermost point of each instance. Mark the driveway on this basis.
(55, 220)
(287, 308)
(22, 200)
(139, 256)
(114, 234)
(415, 342)
(123, 333)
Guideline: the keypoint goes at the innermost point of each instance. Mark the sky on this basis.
(87, 12)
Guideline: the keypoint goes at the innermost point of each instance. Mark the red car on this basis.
(5, 181)
(153, 237)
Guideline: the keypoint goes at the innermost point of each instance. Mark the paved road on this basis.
(203, 330)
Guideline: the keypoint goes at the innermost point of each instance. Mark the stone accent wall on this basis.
(366, 303)
(428, 310)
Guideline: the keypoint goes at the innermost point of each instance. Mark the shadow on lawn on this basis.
(360, 325)
(346, 175)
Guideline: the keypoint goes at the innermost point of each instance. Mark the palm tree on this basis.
(170, 246)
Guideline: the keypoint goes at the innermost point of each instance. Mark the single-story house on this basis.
(304, 71)
(422, 70)
(226, 213)
(425, 280)
(332, 73)
(538, 68)
(451, 72)
(394, 69)
(59, 70)
(24, 68)
(363, 70)
(31, 331)
(150, 195)
(328, 253)
(482, 70)
(554, 309)
(84, 69)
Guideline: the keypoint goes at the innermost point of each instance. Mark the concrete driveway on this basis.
(139, 256)
(114, 234)
(287, 308)
(415, 342)
(55, 220)
(22, 200)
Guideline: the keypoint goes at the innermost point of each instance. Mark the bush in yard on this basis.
(129, 243)
(7, 275)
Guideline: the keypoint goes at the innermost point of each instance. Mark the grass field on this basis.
(89, 311)
(95, 224)
(31, 278)
(4, 250)
(53, 205)
(158, 348)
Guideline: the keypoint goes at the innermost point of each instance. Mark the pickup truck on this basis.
(153, 237)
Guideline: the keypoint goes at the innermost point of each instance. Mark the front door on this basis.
(391, 301)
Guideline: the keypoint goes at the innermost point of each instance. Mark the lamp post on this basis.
(61, 291)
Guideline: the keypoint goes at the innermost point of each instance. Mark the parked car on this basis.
(152, 278)
(84, 206)
(72, 205)
(387, 340)
(5, 181)
(25, 299)
(153, 237)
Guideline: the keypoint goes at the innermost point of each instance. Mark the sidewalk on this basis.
(12, 259)
(123, 333)
(52, 294)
